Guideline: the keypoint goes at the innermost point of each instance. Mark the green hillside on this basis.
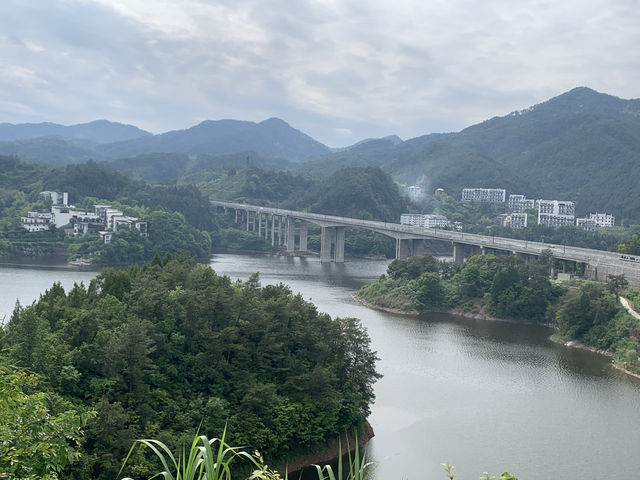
(581, 146)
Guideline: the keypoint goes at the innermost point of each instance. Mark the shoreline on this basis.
(327, 454)
(482, 315)
(412, 313)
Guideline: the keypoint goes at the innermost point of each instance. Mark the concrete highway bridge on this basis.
(290, 229)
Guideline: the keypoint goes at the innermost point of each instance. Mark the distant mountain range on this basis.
(581, 145)
(53, 144)
(98, 131)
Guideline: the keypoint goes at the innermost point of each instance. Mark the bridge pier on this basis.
(332, 237)
(304, 235)
(325, 244)
(403, 248)
(273, 229)
(339, 245)
(458, 253)
(291, 234)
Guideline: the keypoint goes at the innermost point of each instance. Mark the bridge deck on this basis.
(607, 262)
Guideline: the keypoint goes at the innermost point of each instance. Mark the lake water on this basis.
(485, 396)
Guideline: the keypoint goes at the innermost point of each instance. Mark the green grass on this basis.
(210, 459)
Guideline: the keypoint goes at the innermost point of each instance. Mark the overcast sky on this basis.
(339, 70)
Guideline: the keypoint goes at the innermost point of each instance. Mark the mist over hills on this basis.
(582, 146)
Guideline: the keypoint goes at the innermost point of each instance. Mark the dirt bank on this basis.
(326, 454)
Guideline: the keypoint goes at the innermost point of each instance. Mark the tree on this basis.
(617, 283)
(36, 442)
(430, 291)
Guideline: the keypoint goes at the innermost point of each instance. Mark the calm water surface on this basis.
(485, 396)
(24, 279)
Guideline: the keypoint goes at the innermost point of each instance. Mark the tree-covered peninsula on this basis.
(507, 287)
(169, 348)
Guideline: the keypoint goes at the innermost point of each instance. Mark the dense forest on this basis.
(170, 347)
(505, 286)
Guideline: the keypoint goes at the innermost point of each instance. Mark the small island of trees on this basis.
(507, 287)
(168, 348)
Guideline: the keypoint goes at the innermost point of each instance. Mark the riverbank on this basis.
(581, 346)
(359, 299)
(329, 453)
(481, 314)
(555, 338)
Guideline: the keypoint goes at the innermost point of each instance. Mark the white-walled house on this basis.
(105, 220)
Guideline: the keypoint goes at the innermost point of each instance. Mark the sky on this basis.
(339, 70)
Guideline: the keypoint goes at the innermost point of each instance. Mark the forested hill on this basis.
(57, 145)
(272, 138)
(582, 146)
(358, 192)
(169, 348)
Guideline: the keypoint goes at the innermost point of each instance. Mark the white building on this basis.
(123, 221)
(587, 224)
(57, 198)
(520, 203)
(85, 222)
(412, 219)
(556, 213)
(515, 220)
(104, 221)
(106, 236)
(62, 215)
(424, 220)
(484, 195)
(603, 219)
(36, 221)
(435, 221)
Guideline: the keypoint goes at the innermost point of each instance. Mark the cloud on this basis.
(373, 67)
(343, 131)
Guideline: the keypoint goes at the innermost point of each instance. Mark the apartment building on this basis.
(603, 219)
(556, 213)
(587, 224)
(424, 220)
(514, 220)
(484, 195)
(520, 203)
